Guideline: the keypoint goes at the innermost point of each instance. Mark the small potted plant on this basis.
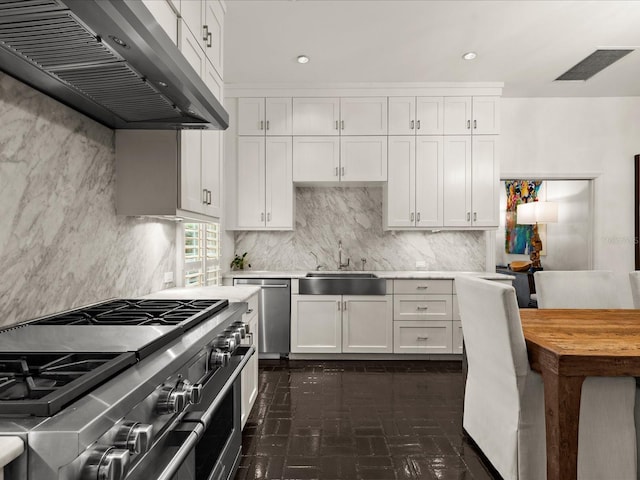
(239, 262)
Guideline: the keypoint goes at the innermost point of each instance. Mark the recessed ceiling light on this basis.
(163, 84)
(303, 59)
(119, 41)
(469, 55)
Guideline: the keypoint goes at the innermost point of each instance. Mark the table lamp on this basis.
(534, 213)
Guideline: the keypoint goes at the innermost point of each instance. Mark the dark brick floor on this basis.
(360, 420)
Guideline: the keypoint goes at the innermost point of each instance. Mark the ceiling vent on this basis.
(594, 63)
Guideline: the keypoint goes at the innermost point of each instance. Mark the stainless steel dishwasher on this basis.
(275, 314)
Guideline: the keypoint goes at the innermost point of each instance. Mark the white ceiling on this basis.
(525, 44)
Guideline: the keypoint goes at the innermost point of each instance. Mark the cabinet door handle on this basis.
(475, 216)
(475, 124)
(339, 303)
(422, 308)
(262, 217)
(418, 124)
(204, 196)
(208, 197)
(267, 124)
(269, 217)
(468, 124)
(342, 124)
(412, 216)
(342, 171)
(468, 216)
(209, 40)
(344, 305)
(422, 338)
(205, 32)
(261, 124)
(418, 217)
(336, 171)
(337, 125)
(411, 125)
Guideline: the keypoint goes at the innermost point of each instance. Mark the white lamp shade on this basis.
(537, 212)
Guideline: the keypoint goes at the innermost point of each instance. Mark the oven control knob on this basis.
(171, 401)
(135, 437)
(233, 333)
(106, 463)
(219, 358)
(193, 391)
(225, 343)
(241, 328)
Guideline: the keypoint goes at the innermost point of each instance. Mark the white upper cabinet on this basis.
(190, 48)
(193, 198)
(205, 20)
(264, 183)
(471, 181)
(415, 182)
(340, 116)
(471, 115)
(211, 171)
(260, 116)
(164, 13)
(316, 116)
(363, 159)
(316, 159)
(363, 116)
(416, 115)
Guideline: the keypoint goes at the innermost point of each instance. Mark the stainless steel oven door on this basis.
(206, 444)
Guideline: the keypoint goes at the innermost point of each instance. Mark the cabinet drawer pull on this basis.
(422, 287)
(418, 124)
(422, 308)
(468, 124)
(422, 338)
(411, 125)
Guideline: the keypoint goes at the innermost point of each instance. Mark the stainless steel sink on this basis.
(342, 283)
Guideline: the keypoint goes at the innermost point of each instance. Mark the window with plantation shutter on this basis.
(201, 254)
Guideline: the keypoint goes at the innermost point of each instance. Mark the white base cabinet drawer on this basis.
(456, 308)
(423, 287)
(422, 337)
(457, 337)
(422, 307)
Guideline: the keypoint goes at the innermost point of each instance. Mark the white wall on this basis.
(574, 136)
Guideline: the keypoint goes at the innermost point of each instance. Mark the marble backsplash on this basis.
(325, 216)
(61, 243)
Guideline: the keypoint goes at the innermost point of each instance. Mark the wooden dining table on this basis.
(565, 346)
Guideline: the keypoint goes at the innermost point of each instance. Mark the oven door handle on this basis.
(205, 418)
(183, 452)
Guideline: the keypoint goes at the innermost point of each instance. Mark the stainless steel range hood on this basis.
(108, 59)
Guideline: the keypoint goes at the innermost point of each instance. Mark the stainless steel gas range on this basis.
(126, 389)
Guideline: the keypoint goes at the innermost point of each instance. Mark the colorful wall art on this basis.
(517, 237)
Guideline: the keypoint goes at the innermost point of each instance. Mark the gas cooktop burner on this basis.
(140, 312)
(41, 384)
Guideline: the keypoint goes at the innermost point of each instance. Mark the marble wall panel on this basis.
(61, 243)
(325, 216)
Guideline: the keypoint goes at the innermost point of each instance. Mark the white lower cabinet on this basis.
(341, 324)
(422, 336)
(249, 375)
(457, 337)
(422, 307)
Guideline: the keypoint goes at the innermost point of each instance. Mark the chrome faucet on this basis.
(318, 265)
(340, 264)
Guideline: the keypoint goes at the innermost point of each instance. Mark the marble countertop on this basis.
(10, 449)
(412, 274)
(233, 294)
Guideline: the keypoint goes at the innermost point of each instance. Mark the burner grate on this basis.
(140, 312)
(41, 384)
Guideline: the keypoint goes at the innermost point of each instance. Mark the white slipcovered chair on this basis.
(634, 279)
(504, 398)
(576, 289)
